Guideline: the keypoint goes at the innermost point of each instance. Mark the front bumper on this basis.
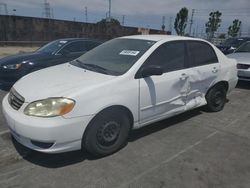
(65, 134)
(244, 74)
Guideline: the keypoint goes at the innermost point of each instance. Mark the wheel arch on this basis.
(223, 83)
(113, 108)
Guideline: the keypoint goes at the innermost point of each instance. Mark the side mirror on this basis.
(151, 71)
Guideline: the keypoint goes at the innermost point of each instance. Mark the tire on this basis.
(107, 133)
(216, 98)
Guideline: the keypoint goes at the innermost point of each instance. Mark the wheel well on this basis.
(121, 108)
(111, 109)
(222, 83)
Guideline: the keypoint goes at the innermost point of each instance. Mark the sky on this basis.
(139, 13)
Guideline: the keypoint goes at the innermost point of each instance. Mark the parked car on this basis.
(242, 55)
(94, 101)
(232, 44)
(57, 52)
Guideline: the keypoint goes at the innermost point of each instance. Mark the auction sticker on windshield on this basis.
(129, 52)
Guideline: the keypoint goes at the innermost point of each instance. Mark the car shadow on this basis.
(69, 158)
(51, 160)
(164, 124)
(243, 85)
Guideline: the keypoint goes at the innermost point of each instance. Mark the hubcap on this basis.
(108, 133)
(218, 98)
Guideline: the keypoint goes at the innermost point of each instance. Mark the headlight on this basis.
(14, 66)
(50, 107)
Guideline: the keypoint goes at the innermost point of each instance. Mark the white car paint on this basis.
(148, 99)
(243, 58)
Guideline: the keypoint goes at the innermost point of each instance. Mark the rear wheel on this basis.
(107, 132)
(216, 98)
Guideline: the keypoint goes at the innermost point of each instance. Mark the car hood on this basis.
(243, 58)
(58, 81)
(19, 58)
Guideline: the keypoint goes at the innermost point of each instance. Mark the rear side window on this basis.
(170, 56)
(200, 53)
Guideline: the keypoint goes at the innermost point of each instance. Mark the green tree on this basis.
(233, 30)
(181, 21)
(213, 23)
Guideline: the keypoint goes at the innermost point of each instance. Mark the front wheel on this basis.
(216, 98)
(107, 133)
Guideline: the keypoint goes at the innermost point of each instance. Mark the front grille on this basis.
(15, 99)
(243, 66)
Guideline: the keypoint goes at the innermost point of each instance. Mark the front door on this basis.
(164, 95)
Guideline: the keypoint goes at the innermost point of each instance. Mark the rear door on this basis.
(203, 71)
(164, 95)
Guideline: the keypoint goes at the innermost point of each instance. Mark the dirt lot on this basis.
(5, 51)
(193, 150)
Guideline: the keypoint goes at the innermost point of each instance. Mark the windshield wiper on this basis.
(95, 66)
(92, 67)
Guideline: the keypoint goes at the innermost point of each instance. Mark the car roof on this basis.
(76, 39)
(160, 37)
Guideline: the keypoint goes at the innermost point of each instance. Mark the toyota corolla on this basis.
(94, 101)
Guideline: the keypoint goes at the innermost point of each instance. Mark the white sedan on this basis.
(242, 55)
(126, 83)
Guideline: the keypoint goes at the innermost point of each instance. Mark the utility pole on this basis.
(52, 13)
(163, 23)
(170, 24)
(123, 20)
(109, 13)
(240, 32)
(196, 30)
(86, 14)
(4, 5)
(47, 9)
(191, 22)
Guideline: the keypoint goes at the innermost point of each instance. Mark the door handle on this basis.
(184, 76)
(215, 70)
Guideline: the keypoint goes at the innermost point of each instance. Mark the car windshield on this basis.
(244, 48)
(114, 57)
(234, 42)
(52, 47)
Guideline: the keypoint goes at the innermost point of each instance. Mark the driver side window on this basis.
(170, 56)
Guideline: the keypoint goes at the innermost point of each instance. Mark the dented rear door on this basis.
(203, 71)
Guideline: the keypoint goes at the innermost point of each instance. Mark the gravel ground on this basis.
(5, 51)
